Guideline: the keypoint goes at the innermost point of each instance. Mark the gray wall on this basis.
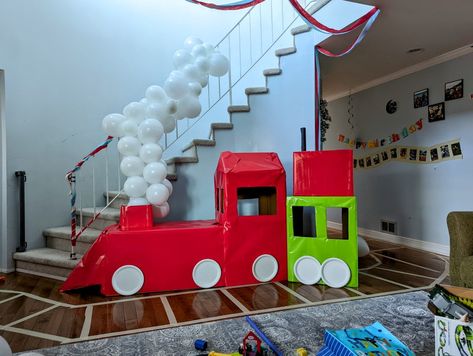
(3, 175)
(418, 197)
(67, 64)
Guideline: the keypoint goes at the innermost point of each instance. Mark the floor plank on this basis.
(21, 343)
(18, 308)
(318, 293)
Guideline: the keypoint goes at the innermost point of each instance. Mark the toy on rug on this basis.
(374, 339)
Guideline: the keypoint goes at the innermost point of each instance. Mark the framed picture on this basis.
(434, 154)
(454, 90)
(421, 98)
(437, 112)
(456, 149)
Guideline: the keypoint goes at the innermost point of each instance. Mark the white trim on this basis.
(401, 240)
(41, 274)
(3, 179)
(7, 270)
(405, 71)
(89, 309)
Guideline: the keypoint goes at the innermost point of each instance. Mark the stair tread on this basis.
(64, 232)
(222, 126)
(107, 214)
(182, 159)
(238, 108)
(272, 71)
(199, 142)
(285, 51)
(300, 29)
(256, 90)
(48, 256)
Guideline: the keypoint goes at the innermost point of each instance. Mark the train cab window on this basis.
(303, 221)
(222, 205)
(219, 200)
(337, 214)
(256, 201)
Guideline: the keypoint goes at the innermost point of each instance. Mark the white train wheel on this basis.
(206, 273)
(127, 280)
(335, 273)
(265, 268)
(307, 270)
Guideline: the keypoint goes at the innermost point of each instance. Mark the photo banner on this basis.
(381, 142)
(412, 154)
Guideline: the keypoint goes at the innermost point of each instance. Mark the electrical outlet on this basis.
(388, 226)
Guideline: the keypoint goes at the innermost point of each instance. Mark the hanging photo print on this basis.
(454, 90)
(437, 112)
(421, 98)
(442, 152)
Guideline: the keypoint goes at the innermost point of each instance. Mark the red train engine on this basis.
(245, 244)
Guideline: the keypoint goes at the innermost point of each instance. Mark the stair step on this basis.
(285, 51)
(45, 262)
(64, 232)
(182, 159)
(108, 214)
(238, 108)
(272, 71)
(300, 29)
(221, 126)
(199, 142)
(257, 90)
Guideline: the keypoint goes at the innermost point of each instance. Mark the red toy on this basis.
(245, 244)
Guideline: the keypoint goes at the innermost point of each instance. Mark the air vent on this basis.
(389, 226)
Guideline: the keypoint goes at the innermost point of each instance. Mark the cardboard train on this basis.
(258, 234)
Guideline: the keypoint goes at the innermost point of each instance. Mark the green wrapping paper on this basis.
(321, 247)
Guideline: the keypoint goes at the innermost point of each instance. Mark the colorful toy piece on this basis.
(246, 244)
(322, 180)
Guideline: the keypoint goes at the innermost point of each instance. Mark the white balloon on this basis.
(132, 166)
(111, 124)
(191, 41)
(154, 172)
(129, 128)
(210, 49)
(163, 162)
(129, 146)
(135, 187)
(199, 51)
(181, 57)
(168, 185)
(192, 73)
(161, 211)
(150, 130)
(156, 110)
(135, 111)
(203, 64)
(195, 88)
(155, 93)
(169, 124)
(363, 248)
(189, 106)
(171, 107)
(218, 65)
(144, 101)
(138, 201)
(151, 152)
(157, 194)
(204, 80)
(176, 85)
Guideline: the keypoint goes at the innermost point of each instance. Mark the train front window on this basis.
(338, 214)
(256, 201)
(303, 221)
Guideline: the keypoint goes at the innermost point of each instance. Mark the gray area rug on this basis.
(405, 315)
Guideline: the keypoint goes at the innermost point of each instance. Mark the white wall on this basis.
(3, 176)
(418, 197)
(67, 64)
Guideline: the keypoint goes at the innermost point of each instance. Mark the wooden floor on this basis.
(34, 314)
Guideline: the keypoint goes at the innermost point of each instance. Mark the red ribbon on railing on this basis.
(72, 192)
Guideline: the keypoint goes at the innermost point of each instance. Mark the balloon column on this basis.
(142, 124)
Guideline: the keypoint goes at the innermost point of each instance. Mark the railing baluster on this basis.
(119, 177)
(261, 28)
(272, 20)
(282, 15)
(239, 47)
(230, 94)
(251, 43)
(79, 195)
(93, 187)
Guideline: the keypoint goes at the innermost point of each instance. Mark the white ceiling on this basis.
(439, 26)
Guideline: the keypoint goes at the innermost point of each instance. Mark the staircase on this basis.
(53, 261)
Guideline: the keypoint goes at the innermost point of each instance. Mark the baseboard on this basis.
(401, 240)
